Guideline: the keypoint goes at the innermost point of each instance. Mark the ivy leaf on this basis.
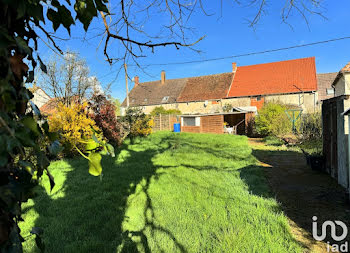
(28, 166)
(5, 39)
(21, 9)
(85, 10)
(31, 124)
(101, 6)
(23, 46)
(66, 17)
(51, 179)
(95, 167)
(42, 65)
(55, 18)
(35, 9)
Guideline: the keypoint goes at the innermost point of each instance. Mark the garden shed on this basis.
(235, 122)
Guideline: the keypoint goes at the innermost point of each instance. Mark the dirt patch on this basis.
(302, 192)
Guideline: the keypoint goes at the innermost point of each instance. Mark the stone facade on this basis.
(307, 101)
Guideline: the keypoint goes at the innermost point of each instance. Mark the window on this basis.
(191, 121)
(145, 100)
(165, 99)
(258, 98)
(330, 91)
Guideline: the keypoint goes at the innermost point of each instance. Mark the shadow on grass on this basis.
(88, 214)
(302, 192)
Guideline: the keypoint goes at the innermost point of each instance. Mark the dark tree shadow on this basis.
(302, 192)
(96, 209)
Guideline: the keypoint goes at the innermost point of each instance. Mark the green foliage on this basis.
(312, 146)
(310, 126)
(23, 128)
(161, 110)
(272, 120)
(227, 108)
(117, 105)
(138, 123)
(273, 141)
(208, 195)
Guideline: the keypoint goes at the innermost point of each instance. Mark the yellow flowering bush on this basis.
(73, 125)
(142, 127)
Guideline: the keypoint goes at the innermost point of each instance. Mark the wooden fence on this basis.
(165, 122)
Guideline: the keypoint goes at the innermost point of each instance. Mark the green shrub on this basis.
(311, 126)
(137, 122)
(161, 110)
(272, 120)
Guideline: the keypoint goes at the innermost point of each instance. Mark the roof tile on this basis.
(290, 76)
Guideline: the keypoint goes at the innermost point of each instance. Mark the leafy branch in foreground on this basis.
(27, 144)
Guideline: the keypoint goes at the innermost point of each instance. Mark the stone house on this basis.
(40, 96)
(292, 82)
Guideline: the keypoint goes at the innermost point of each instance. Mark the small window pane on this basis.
(330, 91)
(189, 121)
(165, 99)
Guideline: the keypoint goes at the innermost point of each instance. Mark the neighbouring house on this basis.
(204, 94)
(291, 82)
(324, 82)
(336, 128)
(40, 96)
(149, 95)
(50, 107)
(189, 95)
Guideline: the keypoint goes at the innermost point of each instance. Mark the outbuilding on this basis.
(335, 127)
(234, 122)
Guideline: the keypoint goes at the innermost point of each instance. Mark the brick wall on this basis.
(191, 129)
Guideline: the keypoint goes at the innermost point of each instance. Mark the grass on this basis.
(312, 147)
(165, 193)
(273, 141)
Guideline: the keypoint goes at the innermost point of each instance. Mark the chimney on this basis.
(162, 77)
(136, 81)
(234, 67)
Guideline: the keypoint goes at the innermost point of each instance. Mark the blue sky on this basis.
(226, 34)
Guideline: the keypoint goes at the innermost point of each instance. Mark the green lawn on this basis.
(166, 193)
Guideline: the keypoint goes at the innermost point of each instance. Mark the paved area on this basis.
(302, 192)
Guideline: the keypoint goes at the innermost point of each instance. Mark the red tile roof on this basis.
(291, 76)
(206, 87)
